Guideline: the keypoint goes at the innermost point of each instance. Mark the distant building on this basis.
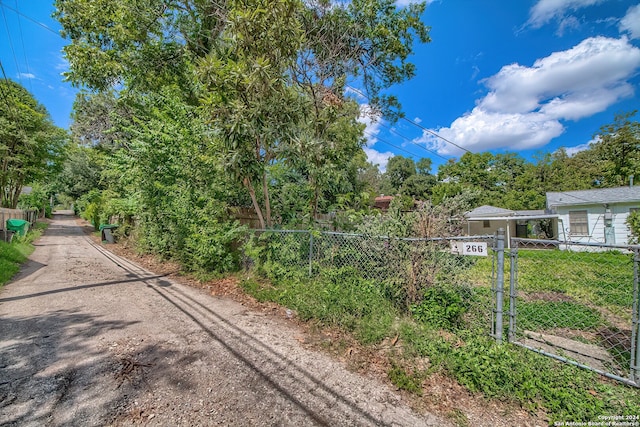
(594, 216)
(537, 224)
(382, 202)
(583, 216)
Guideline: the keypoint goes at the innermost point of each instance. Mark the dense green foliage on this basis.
(31, 147)
(220, 105)
(38, 198)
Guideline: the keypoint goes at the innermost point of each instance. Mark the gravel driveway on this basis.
(89, 338)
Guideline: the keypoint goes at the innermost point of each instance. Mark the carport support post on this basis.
(499, 285)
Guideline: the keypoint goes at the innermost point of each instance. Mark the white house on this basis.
(536, 224)
(594, 216)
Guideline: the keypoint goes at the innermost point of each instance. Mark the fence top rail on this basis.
(407, 239)
(275, 230)
(572, 243)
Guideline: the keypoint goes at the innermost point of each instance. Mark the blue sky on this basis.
(499, 75)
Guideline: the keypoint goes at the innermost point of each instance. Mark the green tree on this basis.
(492, 176)
(618, 149)
(248, 96)
(81, 172)
(418, 186)
(399, 169)
(31, 146)
(268, 76)
(423, 166)
(141, 45)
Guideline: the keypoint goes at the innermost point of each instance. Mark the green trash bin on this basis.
(19, 226)
(106, 234)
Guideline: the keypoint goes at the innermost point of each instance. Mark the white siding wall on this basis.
(476, 228)
(595, 215)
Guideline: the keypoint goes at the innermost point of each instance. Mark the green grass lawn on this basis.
(604, 278)
(592, 279)
(15, 253)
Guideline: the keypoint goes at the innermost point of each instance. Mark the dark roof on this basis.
(593, 197)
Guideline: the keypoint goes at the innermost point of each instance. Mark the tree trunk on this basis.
(267, 202)
(313, 203)
(252, 192)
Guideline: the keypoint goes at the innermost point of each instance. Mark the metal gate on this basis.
(577, 303)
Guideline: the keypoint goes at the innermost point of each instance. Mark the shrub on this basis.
(442, 306)
(211, 245)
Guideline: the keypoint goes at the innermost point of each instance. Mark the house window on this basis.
(486, 223)
(578, 223)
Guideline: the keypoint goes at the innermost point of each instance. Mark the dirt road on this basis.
(88, 338)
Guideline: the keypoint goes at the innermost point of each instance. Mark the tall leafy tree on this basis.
(270, 76)
(248, 95)
(31, 146)
(618, 149)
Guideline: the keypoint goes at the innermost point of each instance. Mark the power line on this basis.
(412, 142)
(31, 19)
(359, 92)
(435, 134)
(13, 52)
(24, 51)
(388, 143)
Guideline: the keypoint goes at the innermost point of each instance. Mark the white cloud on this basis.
(631, 22)
(567, 23)
(482, 130)
(26, 75)
(546, 10)
(595, 63)
(372, 121)
(572, 151)
(582, 104)
(526, 105)
(378, 158)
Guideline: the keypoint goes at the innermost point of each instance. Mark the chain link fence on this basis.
(576, 303)
(408, 265)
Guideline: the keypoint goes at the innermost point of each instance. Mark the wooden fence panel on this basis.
(28, 215)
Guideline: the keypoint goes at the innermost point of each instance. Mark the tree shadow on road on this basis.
(54, 372)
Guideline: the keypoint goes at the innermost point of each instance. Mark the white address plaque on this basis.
(469, 248)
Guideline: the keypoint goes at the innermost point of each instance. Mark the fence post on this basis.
(635, 319)
(499, 285)
(513, 271)
(310, 252)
